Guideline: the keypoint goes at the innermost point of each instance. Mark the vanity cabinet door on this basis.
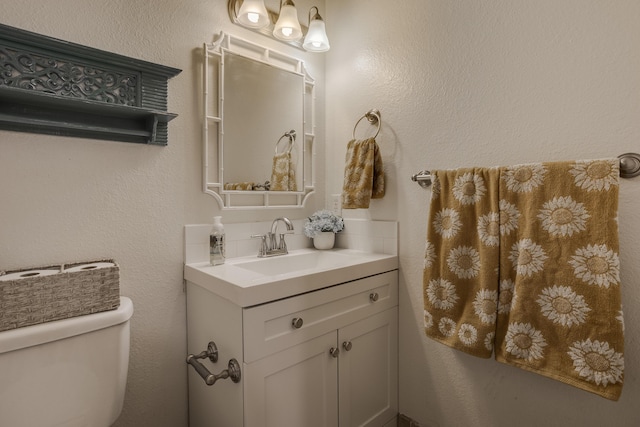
(368, 370)
(294, 387)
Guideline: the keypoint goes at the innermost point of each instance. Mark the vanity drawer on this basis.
(275, 326)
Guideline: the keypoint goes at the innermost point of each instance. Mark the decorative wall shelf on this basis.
(56, 87)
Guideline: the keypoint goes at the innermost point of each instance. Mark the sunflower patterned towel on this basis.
(244, 186)
(524, 260)
(283, 173)
(363, 174)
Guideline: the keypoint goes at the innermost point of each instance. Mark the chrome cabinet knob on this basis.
(347, 345)
(334, 352)
(373, 297)
(297, 322)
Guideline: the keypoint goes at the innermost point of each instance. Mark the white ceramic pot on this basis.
(324, 240)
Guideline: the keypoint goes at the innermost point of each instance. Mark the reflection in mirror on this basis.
(258, 128)
(261, 102)
(283, 171)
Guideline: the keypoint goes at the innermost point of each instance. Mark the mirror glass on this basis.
(261, 104)
(259, 124)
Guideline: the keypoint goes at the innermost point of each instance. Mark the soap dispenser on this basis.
(216, 242)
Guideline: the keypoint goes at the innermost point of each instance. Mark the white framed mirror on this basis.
(258, 126)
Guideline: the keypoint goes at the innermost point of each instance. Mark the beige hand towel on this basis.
(283, 175)
(363, 174)
(525, 259)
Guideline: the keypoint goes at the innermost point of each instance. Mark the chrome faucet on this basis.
(270, 245)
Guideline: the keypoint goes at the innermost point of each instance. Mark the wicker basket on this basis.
(32, 300)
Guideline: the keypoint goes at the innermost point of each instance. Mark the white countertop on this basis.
(244, 287)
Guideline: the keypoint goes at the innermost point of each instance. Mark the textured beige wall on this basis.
(462, 83)
(66, 199)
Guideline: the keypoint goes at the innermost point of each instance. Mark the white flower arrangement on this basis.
(322, 220)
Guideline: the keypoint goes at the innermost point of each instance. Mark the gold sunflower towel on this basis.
(524, 259)
(363, 174)
(283, 174)
(461, 259)
(244, 186)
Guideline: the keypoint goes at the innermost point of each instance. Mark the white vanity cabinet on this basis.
(323, 358)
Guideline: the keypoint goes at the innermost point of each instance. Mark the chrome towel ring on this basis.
(292, 137)
(374, 117)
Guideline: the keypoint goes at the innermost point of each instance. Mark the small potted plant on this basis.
(321, 227)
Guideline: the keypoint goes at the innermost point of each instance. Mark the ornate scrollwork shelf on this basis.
(56, 87)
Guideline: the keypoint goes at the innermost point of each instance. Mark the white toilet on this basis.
(66, 373)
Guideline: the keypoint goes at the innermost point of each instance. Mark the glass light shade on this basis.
(316, 39)
(253, 14)
(288, 26)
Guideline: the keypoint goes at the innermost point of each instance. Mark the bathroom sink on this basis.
(295, 262)
(248, 281)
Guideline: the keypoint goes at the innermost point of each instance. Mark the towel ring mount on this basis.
(374, 117)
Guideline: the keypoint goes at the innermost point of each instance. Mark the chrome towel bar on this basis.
(423, 178)
(629, 168)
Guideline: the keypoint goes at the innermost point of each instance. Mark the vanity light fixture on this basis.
(253, 14)
(285, 26)
(316, 39)
(288, 26)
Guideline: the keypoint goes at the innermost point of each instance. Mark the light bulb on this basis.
(316, 39)
(253, 14)
(288, 27)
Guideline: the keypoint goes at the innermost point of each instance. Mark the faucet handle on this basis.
(263, 244)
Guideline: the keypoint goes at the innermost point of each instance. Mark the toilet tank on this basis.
(69, 372)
